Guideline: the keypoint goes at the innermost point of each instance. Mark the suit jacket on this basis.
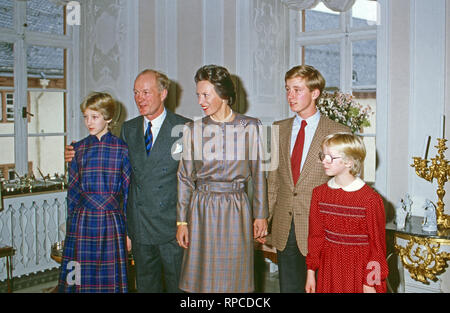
(286, 201)
(152, 199)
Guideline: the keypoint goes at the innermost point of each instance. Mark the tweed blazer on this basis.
(286, 201)
(152, 198)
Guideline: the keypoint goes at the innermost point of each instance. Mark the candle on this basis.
(425, 148)
(442, 126)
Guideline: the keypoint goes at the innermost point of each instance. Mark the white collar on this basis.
(313, 119)
(355, 185)
(157, 122)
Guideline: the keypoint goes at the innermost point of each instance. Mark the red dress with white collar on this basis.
(346, 241)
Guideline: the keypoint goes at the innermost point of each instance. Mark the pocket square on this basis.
(178, 149)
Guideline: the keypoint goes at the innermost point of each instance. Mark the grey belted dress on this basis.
(217, 162)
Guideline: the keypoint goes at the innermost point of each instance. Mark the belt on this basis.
(220, 186)
(99, 202)
(346, 239)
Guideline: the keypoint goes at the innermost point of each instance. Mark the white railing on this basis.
(31, 224)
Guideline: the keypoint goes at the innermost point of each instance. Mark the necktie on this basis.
(296, 157)
(148, 138)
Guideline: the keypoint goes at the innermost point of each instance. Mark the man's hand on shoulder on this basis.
(69, 152)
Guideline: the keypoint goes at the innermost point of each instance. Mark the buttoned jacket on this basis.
(287, 201)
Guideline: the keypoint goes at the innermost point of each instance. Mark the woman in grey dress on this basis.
(216, 223)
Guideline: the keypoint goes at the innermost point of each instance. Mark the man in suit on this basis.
(290, 185)
(151, 213)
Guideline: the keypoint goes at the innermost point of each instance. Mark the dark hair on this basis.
(220, 78)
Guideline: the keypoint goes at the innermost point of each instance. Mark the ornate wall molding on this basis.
(110, 54)
(268, 49)
(262, 50)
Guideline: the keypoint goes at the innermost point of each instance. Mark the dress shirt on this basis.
(310, 130)
(156, 125)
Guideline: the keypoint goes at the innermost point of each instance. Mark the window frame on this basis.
(4, 106)
(344, 36)
(21, 38)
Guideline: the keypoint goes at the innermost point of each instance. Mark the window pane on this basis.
(46, 154)
(325, 58)
(6, 64)
(6, 80)
(6, 13)
(321, 18)
(45, 16)
(45, 63)
(364, 13)
(368, 173)
(7, 154)
(48, 111)
(9, 107)
(364, 63)
(367, 98)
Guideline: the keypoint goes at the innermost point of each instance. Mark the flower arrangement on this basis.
(343, 109)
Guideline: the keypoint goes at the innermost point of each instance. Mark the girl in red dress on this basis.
(346, 240)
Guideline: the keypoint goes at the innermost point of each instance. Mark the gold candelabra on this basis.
(440, 170)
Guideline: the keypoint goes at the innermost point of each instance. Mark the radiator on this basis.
(31, 224)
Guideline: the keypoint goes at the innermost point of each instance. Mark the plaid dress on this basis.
(95, 255)
(218, 161)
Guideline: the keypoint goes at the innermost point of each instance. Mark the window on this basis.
(9, 106)
(34, 59)
(343, 47)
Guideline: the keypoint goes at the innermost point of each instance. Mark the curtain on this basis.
(335, 5)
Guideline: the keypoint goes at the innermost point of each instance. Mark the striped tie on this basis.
(148, 138)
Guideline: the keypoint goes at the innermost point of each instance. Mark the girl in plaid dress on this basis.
(95, 254)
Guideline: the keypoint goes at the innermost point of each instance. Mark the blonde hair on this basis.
(101, 102)
(351, 146)
(161, 78)
(313, 78)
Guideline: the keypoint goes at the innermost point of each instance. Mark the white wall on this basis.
(393, 107)
(109, 51)
(248, 37)
(427, 70)
(447, 99)
(417, 92)
(417, 87)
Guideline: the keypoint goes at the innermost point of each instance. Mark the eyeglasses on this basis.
(328, 158)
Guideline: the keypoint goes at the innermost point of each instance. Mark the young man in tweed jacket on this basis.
(289, 201)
